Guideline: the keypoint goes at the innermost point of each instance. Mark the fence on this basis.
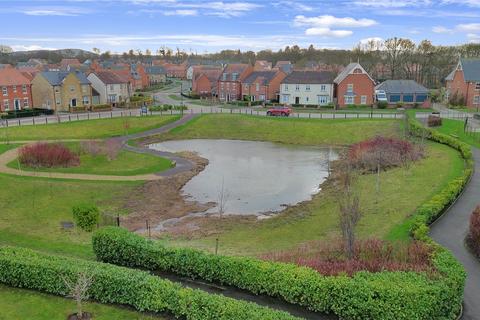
(63, 118)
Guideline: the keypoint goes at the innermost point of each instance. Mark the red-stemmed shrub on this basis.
(473, 237)
(383, 152)
(47, 155)
(371, 255)
(434, 121)
(110, 148)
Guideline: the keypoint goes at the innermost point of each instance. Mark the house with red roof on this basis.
(16, 90)
(204, 81)
(262, 85)
(111, 88)
(262, 65)
(229, 85)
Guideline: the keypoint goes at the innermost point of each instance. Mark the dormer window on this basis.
(357, 70)
(477, 86)
(224, 76)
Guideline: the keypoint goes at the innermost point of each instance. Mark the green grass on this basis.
(292, 131)
(88, 129)
(175, 97)
(16, 304)
(455, 127)
(401, 191)
(125, 164)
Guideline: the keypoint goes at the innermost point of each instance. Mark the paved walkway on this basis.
(450, 231)
(181, 164)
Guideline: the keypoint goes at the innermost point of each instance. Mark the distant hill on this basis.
(52, 56)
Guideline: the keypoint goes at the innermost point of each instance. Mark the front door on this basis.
(17, 104)
(297, 100)
(73, 103)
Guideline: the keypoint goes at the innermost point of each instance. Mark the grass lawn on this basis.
(176, 97)
(401, 191)
(126, 164)
(88, 129)
(292, 131)
(455, 127)
(18, 304)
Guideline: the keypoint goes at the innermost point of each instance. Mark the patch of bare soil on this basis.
(157, 201)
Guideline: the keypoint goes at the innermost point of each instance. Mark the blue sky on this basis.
(209, 26)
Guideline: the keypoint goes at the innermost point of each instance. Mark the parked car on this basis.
(380, 96)
(279, 111)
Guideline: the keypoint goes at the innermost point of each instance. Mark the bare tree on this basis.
(78, 290)
(349, 204)
(222, 199)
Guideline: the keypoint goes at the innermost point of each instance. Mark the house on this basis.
(283, 65)
(262, 85)
(61, 91)
(16, 90)
(464, 83)
(262, 65)
(156, 75)
(229, 86)
(68, 63)
(307, 88)
(354, 86)
(111, 88)
(407, 92)
(204, 82)
(176, 70)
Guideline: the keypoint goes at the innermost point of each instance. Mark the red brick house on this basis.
(262, 65)
(16, 90)
(204, 81)
(229, 87)
(464, 82)
(354, 86)
(262, 85)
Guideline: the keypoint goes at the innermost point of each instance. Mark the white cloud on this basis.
(53, 11)
(442, 29)
(331, 21)
(372, 39)
(469, 27)
(180, 12)
(470, 3)
(392, 3)
(292, 5)
(30, 47)
(327, 32)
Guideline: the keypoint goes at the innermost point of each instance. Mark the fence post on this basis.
(111, 114)
(130, 113)
(345, 115)
(33, 120)
(118, 220)
(46, 120)
(334, 115)
(77, 117)
(19, 122)
(88, 116)
(69, 119)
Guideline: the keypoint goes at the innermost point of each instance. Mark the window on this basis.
(363, 100)
(25, 103)
(323, 88)
(57, 90)
(72, 88)
(112, 87)
(86, 100)
(14, 89)
(357, 70)
(476, 100)
(421, 97)
(394, 98)
(408, 98)
(262, 97)
(307, 87)
(322, 100)
(59, 101)
(350, 87)
(349, 100)
(477, 86)
(4, 91)
(112, 98)
(6, 104)
(257, 86)
(286, 87)
(297, 87)
(285, 98)
(84, 89)
(24, 88)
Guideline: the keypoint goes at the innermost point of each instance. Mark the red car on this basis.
(279, 111)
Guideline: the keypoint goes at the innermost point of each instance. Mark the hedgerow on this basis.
(381, 295)
(25, 268)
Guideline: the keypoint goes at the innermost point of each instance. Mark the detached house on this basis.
(61, 90)
(111, 88)
(204, 82)
(407, 92)
(156, 75)
(229, 87)
(307, 88)
(262, 85)
(464, 82)
(354, 86)
(16, 89)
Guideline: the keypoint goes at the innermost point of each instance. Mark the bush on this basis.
(86, 216)
(109, 148)
(167, 107)
(382, 104)
(47, 155)
(382, 295)
(26, 268)
(400, 104)
(101, 107)
(434, 121)
(473, 237)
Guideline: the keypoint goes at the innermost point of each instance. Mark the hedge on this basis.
(25, 268)
(383, 295)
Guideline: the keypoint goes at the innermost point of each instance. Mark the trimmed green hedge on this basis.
(25, 268)
(383, 295)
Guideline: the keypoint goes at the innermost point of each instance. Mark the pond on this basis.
(254, 178)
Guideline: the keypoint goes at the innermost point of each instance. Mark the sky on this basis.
(206, 26)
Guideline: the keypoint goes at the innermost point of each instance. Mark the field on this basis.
(455, 127)
(34, 208)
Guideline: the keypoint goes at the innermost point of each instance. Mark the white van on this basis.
(380, 96)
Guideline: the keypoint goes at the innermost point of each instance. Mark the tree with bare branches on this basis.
(78, 290)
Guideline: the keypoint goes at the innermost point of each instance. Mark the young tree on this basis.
(78, 290)
(349, 204)
(222, 199)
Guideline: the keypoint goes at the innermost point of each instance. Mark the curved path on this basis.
(450, 231)
(181, 164)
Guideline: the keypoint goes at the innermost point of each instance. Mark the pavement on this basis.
(450, 231)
